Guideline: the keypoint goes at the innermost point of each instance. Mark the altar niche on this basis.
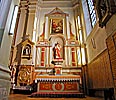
(27, 50)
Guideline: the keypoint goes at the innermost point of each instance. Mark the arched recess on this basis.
(58, 38)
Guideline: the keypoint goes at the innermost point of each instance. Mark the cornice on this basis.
(57, 3)
(48, 3)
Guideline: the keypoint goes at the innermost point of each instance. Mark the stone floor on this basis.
(26, 97)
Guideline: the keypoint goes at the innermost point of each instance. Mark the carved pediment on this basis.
(27, 41)
(56, 12)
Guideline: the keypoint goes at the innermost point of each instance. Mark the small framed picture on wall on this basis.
(93, 43)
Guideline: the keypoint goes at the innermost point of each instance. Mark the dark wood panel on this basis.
(114, 36)
(99, 72)
(111, 45)
(111, 50)
(112, 56)
(115, 82)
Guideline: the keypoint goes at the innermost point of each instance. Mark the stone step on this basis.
(58, 94)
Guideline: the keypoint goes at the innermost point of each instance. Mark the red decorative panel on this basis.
(71, 86)
(45, 86)
(58, 86)
(58, 71)
(73, 57)
(42, 56)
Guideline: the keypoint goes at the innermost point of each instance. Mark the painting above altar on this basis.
(57, 26)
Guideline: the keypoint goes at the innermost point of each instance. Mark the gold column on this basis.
(68, 27)
(47, 56)
(51, 55)
(46, 28)
(66, 56)
(65, 29)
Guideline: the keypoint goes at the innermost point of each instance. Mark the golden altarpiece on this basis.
(49, 62)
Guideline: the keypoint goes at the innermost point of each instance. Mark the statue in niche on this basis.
(27, 50)
(103, 8)
(57, 51)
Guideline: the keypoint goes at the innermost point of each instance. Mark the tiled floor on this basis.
(26, 97)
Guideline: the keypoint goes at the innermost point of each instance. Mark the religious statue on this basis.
(57, 51)
(27, 50)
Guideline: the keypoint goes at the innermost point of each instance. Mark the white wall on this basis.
(7, 39)
(6, 11)
(99, 37)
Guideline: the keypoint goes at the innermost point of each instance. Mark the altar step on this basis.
(58, 94)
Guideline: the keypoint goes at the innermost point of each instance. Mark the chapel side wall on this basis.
(97, 48)
(98, 61)
(97, 57)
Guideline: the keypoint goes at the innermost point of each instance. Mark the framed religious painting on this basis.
(56, 26)
(105, 9)
(93, 43)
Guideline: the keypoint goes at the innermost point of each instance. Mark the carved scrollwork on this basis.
(24, 75)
